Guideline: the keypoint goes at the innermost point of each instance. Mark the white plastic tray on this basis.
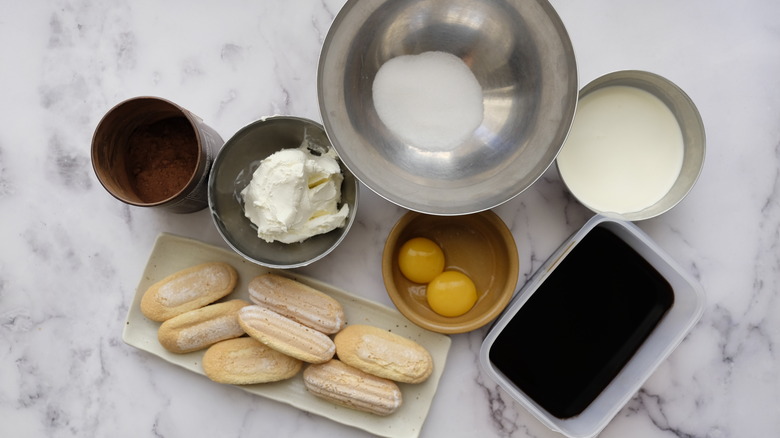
(671, 330)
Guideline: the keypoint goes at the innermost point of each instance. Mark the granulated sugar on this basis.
(431, 101)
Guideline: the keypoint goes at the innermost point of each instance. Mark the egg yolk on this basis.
(420, 260)
(451, 293)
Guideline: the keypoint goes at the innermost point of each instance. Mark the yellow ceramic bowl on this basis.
(479, 245)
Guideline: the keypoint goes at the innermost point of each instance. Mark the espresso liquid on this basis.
(582, 325)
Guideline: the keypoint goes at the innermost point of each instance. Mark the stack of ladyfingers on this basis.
(288, 324)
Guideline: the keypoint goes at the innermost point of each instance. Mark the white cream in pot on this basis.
(624, 151)
(295, 195)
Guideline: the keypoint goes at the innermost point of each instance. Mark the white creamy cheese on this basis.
(295, 195)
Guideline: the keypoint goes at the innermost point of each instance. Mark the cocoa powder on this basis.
(161, 158)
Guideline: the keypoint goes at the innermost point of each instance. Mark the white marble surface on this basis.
(71, 255)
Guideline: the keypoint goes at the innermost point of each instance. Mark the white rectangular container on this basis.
(686, 310)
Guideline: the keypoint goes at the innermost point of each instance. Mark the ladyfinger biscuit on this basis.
(285, 335)
(199, 328)
(298, 302)
(244, 361)
(384, 354)
(188, 289)
(347, 386)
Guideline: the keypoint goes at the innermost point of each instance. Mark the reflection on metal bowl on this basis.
(521, 56)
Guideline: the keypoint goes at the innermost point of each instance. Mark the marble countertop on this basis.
(72, 255)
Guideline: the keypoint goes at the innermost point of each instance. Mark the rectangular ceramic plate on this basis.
(172, 253)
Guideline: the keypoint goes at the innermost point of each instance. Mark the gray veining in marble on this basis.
(71, 255)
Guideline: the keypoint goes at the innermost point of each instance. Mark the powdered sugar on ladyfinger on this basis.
(188, 289)
(298, 302)
(347, 386)
(199, 328)
(384, 354)
(285, 335)
(243, 361)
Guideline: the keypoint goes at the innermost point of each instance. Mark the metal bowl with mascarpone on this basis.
(271, 238)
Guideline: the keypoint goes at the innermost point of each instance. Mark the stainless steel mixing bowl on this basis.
(519, 52)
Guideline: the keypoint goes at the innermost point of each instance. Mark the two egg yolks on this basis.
(449, 293)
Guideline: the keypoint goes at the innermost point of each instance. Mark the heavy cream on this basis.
(295, 195)
(624, 151)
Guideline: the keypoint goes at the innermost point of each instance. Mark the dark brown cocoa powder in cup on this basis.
(161, 158)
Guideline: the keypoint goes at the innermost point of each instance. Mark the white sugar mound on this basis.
(431, 101)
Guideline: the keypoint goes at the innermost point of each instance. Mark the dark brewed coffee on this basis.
(583, 324)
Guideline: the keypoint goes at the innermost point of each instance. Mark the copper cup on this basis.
(150, 152)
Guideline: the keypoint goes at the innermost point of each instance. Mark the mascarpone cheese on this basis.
(295, 195)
